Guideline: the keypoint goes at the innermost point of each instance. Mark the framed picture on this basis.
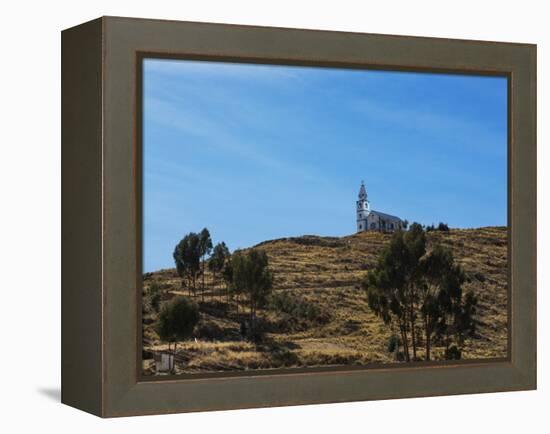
(259, 216)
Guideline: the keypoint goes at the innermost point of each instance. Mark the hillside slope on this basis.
(321, 275)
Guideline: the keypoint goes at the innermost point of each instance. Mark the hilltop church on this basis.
(370, 220)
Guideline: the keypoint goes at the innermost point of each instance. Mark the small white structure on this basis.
(370, 220)
(163, 362)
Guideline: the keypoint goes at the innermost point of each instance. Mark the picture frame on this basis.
(101, 219)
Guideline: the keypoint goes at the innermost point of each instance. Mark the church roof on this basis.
(362, 191)
(386, 216)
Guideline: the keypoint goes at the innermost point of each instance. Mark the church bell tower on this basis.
(363, 209)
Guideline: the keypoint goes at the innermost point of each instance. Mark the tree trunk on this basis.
(413, 331)
(169, 362)
(406, 346)
(202, 277)
(252, 325)
(428, 338)
(404, 338)
(174, 358)
(214, 285)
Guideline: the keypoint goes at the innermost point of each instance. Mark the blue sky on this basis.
(256, 152)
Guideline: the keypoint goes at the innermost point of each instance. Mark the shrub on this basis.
(393, 343)
(453, 353)
(154, 295)
(209, 330)
(298, 309)
(443, 227)
(480, 276)
(154, 301)
(154, 287)
(285, 357)
(177, 319)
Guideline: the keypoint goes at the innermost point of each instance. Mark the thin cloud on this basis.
(214, 133)
(225, 70)
(439, 125)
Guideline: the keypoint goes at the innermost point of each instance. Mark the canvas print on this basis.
(310, 217)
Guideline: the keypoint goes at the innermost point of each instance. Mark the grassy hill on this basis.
(319, 316)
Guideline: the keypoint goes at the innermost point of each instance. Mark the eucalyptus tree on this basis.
(437, 270)
(227, 276)
(218, 259)
(187, 255)
(387, 288)
(415, 249)
(205, 247)
(251, 275)
(415, 290)
(458, 312)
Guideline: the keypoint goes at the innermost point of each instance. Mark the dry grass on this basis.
(327, 272)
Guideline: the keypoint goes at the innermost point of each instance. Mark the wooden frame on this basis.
(100, 228)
